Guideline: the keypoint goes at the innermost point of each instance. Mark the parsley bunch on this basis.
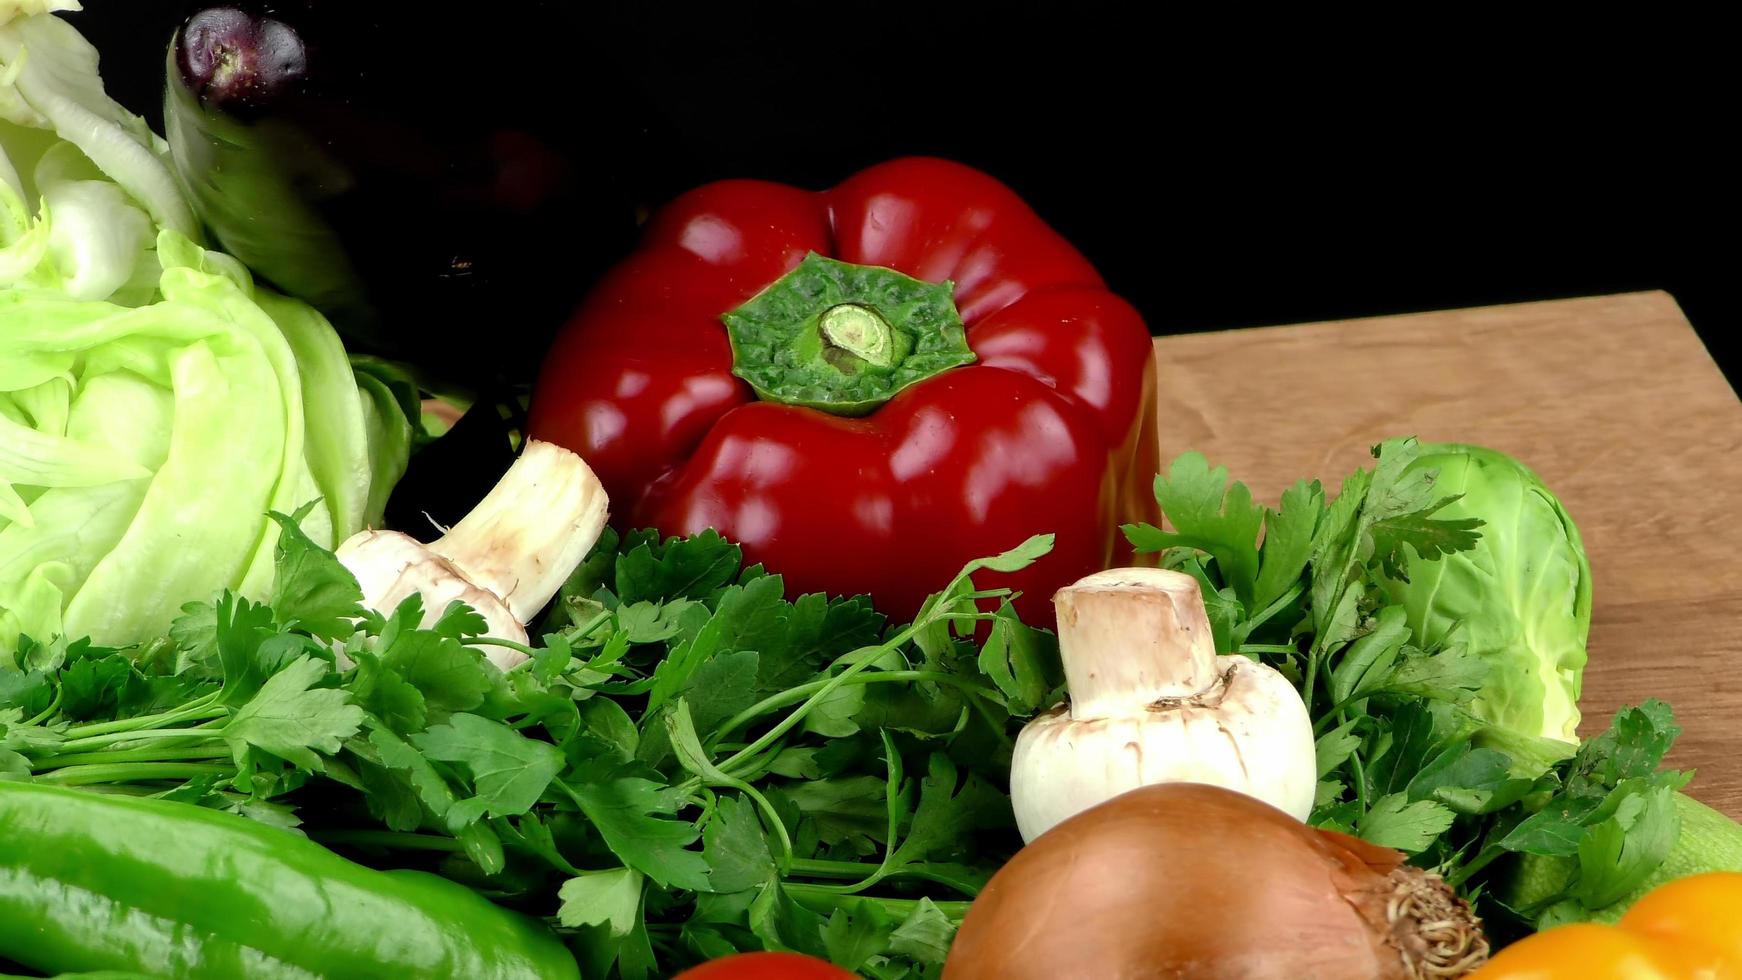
(1402, 761)
(687, 765)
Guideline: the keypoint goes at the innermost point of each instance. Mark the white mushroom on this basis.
(1151, 702)
(505, 559)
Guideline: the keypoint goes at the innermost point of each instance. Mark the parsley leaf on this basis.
(27, 690)
(509, 771)
(95, 687)
(841, 811)
(1334, 747)
(721, 688)
(736, 848)
(1606, 770)
(782, 923)
(1469, 781)
(1021, 660)
(1288, 542)
(673, 673)
(451, 677)
(1617, 853)
(608, 898)
(817, 630)
(855, 934)
(1369, 659)
(1031, 550)
(459, 622)
(629, 809)
(1209, 515)
(380, 690)
(950, 810)
(1633, 746)
(924, 935)
(677, 568)
(311, 590)
(195, 635)
(291, 719)
(1393, 821)
(240, 629)
(651, 622)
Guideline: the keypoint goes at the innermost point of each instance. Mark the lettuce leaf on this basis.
(155, 403)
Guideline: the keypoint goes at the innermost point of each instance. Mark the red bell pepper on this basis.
(857, 430)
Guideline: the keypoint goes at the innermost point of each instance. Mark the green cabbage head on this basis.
(1521, 600)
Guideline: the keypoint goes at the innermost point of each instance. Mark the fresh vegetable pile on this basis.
(247, 730)
(1417, 737)
(688, 765)
(913, 367)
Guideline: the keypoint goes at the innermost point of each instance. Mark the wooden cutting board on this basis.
(1613, 400)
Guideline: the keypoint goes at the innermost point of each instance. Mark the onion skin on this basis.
(1188, 880)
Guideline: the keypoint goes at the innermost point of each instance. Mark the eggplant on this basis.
(443, 188)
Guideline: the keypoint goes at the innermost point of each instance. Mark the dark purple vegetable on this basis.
(234, 61)
(443, 187)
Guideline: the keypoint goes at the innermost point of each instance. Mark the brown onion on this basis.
(1188, 880)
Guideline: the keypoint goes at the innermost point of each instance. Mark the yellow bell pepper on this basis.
(1689, 929)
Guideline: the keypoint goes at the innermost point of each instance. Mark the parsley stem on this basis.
(864, 875)
(793, 695)
(1360, 774)
(1245, 629)
(586, 629)
(132, 772)
(115, 738)
(819, 898)
(48, 712)
(497, 641)
(1337, 713)
(388, 839)
(196, 710)
(819, 868)
(1312, 673)
(865, 657)
(1463, 874)
(705, 803)
(144, 753)
(785, 857)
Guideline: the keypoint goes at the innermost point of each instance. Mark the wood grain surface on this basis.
(1613, 400)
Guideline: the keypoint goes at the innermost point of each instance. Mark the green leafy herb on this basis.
(1405, 757)
(292, 721)
(509, 771)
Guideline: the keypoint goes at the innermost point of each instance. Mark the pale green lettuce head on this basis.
(1521, 599)
(142, 447)
(155, 403)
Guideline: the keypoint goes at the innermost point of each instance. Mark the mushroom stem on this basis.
(1130, 637)
(505, 559)
(531, 530)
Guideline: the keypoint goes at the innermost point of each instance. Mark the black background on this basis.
(1220, 175)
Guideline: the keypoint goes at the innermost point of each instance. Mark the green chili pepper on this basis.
(92, 882)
